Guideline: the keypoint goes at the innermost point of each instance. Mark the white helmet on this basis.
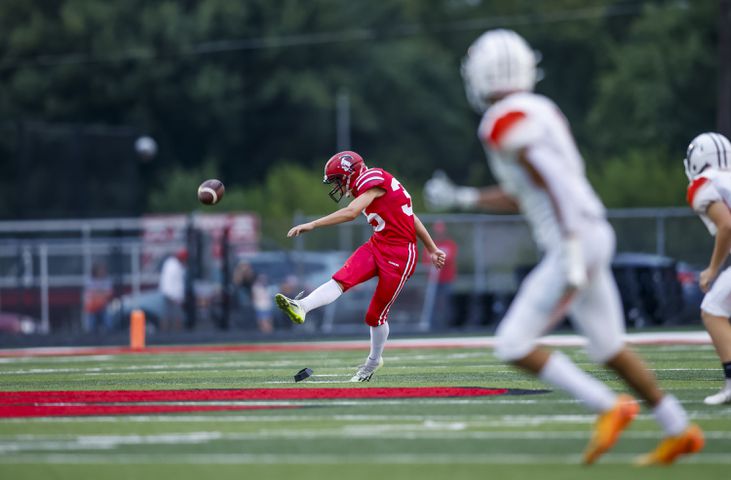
(707, 150)
(499, 61)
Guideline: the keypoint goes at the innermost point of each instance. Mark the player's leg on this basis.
(296, 308)
(598, 315)
(357, 269)
(719, 329)
(379, 335)
(541, 302)
(715, 312)
(393, 273)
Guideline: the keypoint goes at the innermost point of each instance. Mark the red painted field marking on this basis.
(129, 402)
(244, 394)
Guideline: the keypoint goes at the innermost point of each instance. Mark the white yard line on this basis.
(336, 459)
(448, 432)
(516, 421)
(426, 431)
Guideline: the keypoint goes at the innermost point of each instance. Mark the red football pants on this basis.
(392, 264)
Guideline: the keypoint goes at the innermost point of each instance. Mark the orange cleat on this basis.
(609, 426)
(670, 448)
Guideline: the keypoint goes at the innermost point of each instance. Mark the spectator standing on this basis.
(261, 297)
(441, 311)
(172, 287)
(243, 279)
(98, 290)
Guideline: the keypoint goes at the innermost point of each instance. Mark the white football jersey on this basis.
(709, 187)
(531, 121)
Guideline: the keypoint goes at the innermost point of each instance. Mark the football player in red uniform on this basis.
(390, 254)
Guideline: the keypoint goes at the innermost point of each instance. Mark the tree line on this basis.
(249, 92)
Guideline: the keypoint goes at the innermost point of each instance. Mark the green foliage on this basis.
(641, 178)
(251, 86)
(178, 192)
(287, 189)
(659, 87)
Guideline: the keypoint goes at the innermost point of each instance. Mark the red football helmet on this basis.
(341, 170)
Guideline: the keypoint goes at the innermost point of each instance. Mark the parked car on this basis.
(150, 301)
(311, 268)
(292, 272)
(207, 295)
(650, 289)
(692, 294)
(17, 323)
(654, 289)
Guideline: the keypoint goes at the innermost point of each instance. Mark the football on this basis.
(211, 191)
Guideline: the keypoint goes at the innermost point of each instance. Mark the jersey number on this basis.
(378, 222)
(407, 208)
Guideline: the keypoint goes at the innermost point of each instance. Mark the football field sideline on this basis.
(699, 337)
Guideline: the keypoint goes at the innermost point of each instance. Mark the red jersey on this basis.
(391, 215)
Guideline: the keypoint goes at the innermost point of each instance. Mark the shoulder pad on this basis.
(373, 177)
(693, 188)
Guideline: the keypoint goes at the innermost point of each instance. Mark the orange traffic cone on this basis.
(137, 330)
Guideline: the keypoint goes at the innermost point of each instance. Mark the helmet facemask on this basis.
(340, 187)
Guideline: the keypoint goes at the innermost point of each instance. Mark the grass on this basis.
(528, 436)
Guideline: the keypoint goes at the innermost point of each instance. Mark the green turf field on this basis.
(537, 436)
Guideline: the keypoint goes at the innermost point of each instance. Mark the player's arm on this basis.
(441, 194)
(720, 215)
(345, 214)
(547, 176)
(494, 198)
(438, 257)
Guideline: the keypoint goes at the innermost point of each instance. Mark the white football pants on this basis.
(718, 299)
(596, 310)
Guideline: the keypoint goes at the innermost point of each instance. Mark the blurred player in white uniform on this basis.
(532, 153)
(708, 166)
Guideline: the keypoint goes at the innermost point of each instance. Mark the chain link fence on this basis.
(45, 265)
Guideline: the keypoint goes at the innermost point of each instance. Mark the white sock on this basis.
(326, 293)
(379, 335)
(561, 372)
(671, 416)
